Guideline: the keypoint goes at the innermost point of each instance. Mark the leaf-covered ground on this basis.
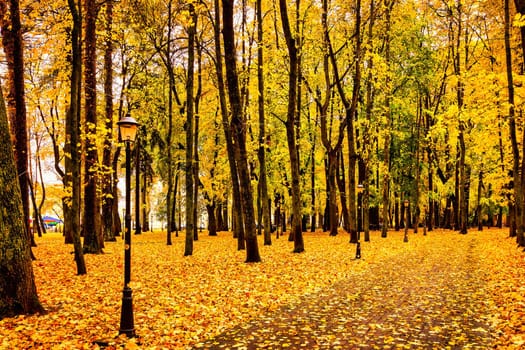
(443, 290)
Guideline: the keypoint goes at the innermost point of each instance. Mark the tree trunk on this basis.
(517, 185)
(73, 162)
(171, 193)
(18, 293)
(341, 185)
(296, 230)
(137, 151)
(108, 175)
(11, 30)
(93, 242)
(237, 218)
(144, 190)
(212, 221)
(332, 193)
(261, 152)
(519, 179)
(386, 148)
(239, 126)
(479, 207)
(190, 175)
(117, 224)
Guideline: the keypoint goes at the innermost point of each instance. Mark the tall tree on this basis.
(389, 4)
(238, 124)
(72, 163)
(11, 30)
(517, 173)
(170, 204)
(107, 173)
(93, 242)
(332, 151)
(18, 294)
(237, 216)
(190, 128)
(291, 115)
(261, 151)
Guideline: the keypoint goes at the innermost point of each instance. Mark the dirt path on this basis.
(431, 296)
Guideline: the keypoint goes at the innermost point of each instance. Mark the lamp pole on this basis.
(128, 132)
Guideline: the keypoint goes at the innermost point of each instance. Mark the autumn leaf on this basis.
(194, 302)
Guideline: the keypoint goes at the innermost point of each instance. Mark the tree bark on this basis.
(239, 126)
(171, 193)
(73, 162)
(18, 294)
(93, 242)
(108, 174)
(190, 175)
(138, 166)
(237, 216)
(296, 230)
(518, 175)
(261, 152)
(386, 147)
(11, 29)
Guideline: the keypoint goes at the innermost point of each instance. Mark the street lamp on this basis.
(127, 134)
(360, 188)
(405, 239)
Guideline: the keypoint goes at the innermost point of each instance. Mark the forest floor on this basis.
(443, 290)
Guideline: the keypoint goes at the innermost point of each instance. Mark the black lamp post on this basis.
(405, 239)
(359, 220)
(128, 132)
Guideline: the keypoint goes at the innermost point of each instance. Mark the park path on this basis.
(431, 296)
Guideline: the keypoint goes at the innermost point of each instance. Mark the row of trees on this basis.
(300, 104)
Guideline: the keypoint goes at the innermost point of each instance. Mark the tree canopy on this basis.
(317, 111)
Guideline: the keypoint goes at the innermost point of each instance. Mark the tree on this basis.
(517, 170)
(239, 130)
(237, 216)
(18, 294)
(291, 116)
(261, 152)
(11, 29)
(72, 163)
(93, 242)
(191, 201)
(388, 121)
(107, 173)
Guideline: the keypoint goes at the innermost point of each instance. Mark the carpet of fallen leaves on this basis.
(180, 302)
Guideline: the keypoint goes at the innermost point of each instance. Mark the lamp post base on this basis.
(358, 251)
(126, 314)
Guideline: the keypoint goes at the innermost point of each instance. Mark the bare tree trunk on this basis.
(11, 29)
(18, 293)
(73, 162)
(137, 151)
(117, 224)
(107, 177)
(190, 175)
(237, 217)
(519, 179)
(93, 242)
(386, 148)
(296, 230)
(170, 204)
(261, 152)
(238, 126)
(341, 184)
